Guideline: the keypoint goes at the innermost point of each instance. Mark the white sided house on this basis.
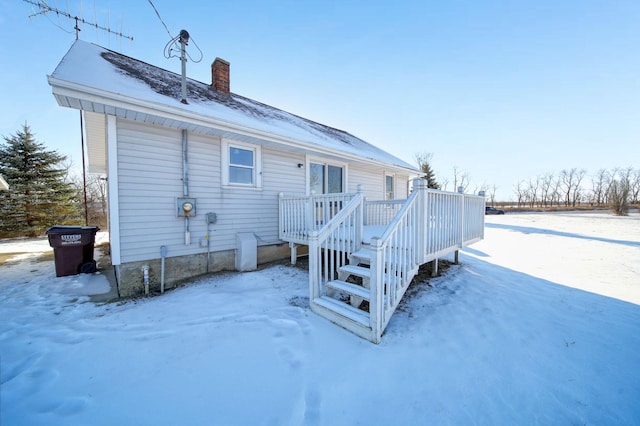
(223, 182)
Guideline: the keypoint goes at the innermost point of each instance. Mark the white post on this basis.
(311, 214)
(294, 252)
(462, 222)
(376, 290)
(360, 219)
(420, 185)
(314, 266)
(281, 214)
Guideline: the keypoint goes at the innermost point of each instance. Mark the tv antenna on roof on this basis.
(44, 8)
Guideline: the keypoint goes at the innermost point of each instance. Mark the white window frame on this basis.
(226, 146)
(393, 185)
(325, 163)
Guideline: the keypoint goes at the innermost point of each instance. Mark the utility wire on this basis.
(160, 18)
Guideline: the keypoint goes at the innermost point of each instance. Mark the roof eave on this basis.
(82, 97)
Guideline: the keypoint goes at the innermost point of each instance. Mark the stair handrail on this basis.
(337, 220)
(406, 260)
(319, 237)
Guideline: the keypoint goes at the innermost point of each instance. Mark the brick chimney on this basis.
(220, 76)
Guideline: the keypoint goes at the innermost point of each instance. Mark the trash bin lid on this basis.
(64, 229)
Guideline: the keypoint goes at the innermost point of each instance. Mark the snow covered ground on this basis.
(539, 325)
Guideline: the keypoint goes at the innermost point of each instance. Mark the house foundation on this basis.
(180, 269)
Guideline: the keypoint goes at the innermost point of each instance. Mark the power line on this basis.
(160, 18)
(44, 8)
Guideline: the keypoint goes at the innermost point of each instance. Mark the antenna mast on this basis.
(44, 8)
(184, 40)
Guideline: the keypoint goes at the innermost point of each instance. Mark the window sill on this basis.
(241, 188)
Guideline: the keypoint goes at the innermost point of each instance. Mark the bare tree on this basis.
(97, 201)
(619, 195)
(634, 186)
(456, 176)
(444, 183)
(566, 179)
(533, 191)
(465, 180)
(546, 184)
(576, 192)
(599, 185)
(521, 192)
(491, 192)
(570, 185)
(460, 179)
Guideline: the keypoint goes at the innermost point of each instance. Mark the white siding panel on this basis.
(150, 181)
(150, 178)
(402, 186)
(96, 130)
(370, 179)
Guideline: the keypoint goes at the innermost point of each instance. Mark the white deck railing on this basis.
(299, 215)
(381, 213)
(430, 224)
(331, 245)
(426, 226)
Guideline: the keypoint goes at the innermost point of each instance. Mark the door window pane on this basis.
(389, 193)
(334, 176)
(316, 178)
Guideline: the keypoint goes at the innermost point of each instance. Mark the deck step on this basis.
(344, 310)
(351, 289)
(361, 256)
(355, 270)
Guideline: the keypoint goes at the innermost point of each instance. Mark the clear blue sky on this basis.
(503, 90)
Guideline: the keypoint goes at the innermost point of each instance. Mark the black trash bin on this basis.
(73, 248)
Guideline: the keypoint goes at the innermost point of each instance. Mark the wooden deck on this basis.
(370, 251)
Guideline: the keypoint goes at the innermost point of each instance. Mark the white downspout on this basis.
(185, 183)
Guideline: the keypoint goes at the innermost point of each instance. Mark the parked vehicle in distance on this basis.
(492, 210)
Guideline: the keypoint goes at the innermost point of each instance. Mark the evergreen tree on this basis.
(39, 194)
(424, 163)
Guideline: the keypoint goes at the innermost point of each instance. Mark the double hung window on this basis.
(241, 164)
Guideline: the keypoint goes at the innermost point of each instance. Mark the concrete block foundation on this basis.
(180, 269)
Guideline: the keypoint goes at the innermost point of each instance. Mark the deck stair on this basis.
(360, 257)
(348, 266)
(353, 281)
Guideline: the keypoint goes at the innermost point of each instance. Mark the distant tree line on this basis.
(617, 189)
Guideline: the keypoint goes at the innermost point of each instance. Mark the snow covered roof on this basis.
(3, 184)
(96, 79)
